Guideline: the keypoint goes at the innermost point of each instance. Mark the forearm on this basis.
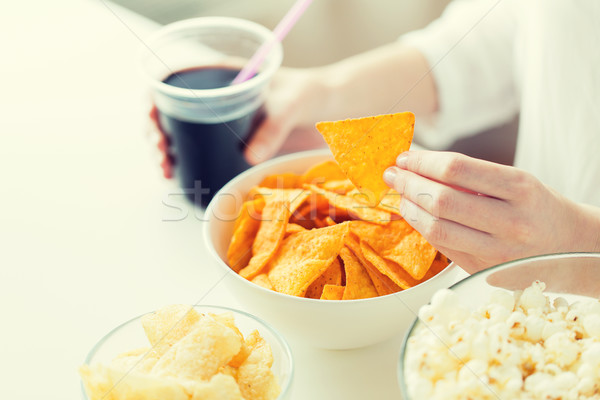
(391, 78)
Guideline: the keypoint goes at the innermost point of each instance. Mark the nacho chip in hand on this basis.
(365, 147)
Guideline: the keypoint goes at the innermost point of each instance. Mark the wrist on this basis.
(589, 234)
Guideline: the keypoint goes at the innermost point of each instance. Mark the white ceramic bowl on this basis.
(324, 324)
(130, 335)
(572, 276)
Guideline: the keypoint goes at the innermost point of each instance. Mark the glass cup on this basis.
(205, 121)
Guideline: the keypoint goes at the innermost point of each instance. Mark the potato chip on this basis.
(106, 383)
(332, 292)
(413, 253)
(304, 256)
(140, 360)
(358, 283)
(382, 283)
(230, 370)
(389, 268)
(201, 353)
(325, 171)
(331, 276)
(341, 186)
(365, 147)
(227, 319)
(255, 377)
(354, 207)
(286, 180)
(220, 387)
(166, 326)
(245, 229)
(270, 234)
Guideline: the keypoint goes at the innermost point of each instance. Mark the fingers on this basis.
(467, 262)
(444, 233)
(266, 141)
(456, 169)
(482, 213)
(163, 142)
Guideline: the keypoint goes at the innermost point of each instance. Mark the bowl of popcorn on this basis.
(300, 247)
(184, 352)
(526, 329)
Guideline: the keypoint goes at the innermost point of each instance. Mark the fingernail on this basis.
(401, 161)
(389, 175)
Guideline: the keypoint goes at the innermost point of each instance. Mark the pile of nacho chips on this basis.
(335, 232)
(191, 356)
(315, 235)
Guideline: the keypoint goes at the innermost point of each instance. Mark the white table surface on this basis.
(86, 241)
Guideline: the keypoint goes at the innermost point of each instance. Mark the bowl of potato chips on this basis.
(301, 247)
(190, 352)
(525, 329)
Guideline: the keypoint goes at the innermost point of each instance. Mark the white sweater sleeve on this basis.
(470, 50)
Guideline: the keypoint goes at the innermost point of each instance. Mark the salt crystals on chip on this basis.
(518, 345)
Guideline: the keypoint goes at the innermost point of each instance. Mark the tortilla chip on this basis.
(295, 197)
(382, 283)
(341, 186)
(332, 292)
(389, 268)
(329, 221)
(365, 147)
(413, 253)
(437, 266)
(275, 217)
(358, 209)
(263, 280)
(358, 283)
(244, 232)
(286, 180)
(304, 256)
(381, 237)
(390, 202)
(326, 171)
(293, 228)
(331, 276)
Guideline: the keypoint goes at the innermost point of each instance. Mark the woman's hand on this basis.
(480, 214)
(292, 105)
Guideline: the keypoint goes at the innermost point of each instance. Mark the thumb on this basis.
(266, 141)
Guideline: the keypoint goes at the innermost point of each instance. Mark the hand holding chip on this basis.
(480, 213)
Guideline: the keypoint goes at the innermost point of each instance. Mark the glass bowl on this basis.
(130, 335)
(572, 276)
